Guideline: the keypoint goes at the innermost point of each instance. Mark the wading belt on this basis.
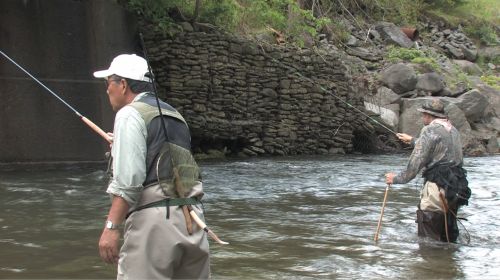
(167, 203)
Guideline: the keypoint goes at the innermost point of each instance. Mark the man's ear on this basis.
(124, 84)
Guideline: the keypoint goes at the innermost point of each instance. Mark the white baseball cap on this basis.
(128, 66)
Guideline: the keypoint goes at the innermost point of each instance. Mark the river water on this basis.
(285, 218)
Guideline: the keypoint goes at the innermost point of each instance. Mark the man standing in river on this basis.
(155, 179)
(438, 151)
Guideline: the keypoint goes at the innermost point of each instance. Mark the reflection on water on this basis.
(300, 217)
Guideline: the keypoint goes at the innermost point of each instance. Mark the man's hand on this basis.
(404, 137)
(110, 134)
(389, 178)
(108, 245)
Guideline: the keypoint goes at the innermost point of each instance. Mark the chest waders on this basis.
(453, 180)
(169, 162)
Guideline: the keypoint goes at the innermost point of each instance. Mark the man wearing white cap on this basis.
(438, 151)
(154, 178)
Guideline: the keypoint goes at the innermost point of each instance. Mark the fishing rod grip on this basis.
(203, 226)
(97, 129)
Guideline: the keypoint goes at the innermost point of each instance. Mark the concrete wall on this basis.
(61, 43)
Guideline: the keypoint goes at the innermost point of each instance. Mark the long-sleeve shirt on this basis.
(129, 154)
(439, 142)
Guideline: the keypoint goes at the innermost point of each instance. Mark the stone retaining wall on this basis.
(241, 97)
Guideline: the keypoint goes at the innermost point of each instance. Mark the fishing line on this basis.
(83, 118)
(325, 90)
(154, 84)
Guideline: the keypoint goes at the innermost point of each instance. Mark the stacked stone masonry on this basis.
(272, 100)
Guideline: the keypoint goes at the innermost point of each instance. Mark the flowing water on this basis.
(293, 218)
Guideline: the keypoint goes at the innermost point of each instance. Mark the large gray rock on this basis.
(388, 117)
(468, 67)
(430, 82)
(410, 121)
(492, 94)
(454, 51)
(385, 96)
(392, 34)
(492, 123)
(470, 54)
(399, 77)
(473, 103)
(364, 53)
(458, 119)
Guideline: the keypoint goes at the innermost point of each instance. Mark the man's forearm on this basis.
(118, 210)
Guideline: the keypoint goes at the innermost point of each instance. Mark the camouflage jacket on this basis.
(439, 142)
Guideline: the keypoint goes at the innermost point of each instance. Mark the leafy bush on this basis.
(395, 54)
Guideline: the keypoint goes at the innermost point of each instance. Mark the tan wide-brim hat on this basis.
(433, 107)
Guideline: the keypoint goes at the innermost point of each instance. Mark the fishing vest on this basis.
(453, 179)
(169, 161)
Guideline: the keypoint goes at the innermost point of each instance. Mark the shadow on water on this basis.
(294, 218)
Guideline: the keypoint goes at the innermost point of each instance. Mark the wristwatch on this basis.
(110, 225)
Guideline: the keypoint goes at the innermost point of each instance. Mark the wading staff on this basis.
(193, 214)
(83, 118)
(381, 213)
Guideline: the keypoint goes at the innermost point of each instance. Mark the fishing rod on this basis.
(187, 209)
(83, 118)
(328, 91)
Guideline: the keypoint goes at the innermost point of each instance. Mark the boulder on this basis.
(392, 34)
(430, 82)
(399, 77)
(387, 116)
(473, 103)
(364, 54)
(469, 54)
(468, 67)
(492, 94)
(386, 96)
(393, 107)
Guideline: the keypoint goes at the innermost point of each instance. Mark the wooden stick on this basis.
(381, 213)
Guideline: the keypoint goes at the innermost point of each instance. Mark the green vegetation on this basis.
(480, 18)
(493, 81)
(165, 13)
(293, 19)
(396, 54)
